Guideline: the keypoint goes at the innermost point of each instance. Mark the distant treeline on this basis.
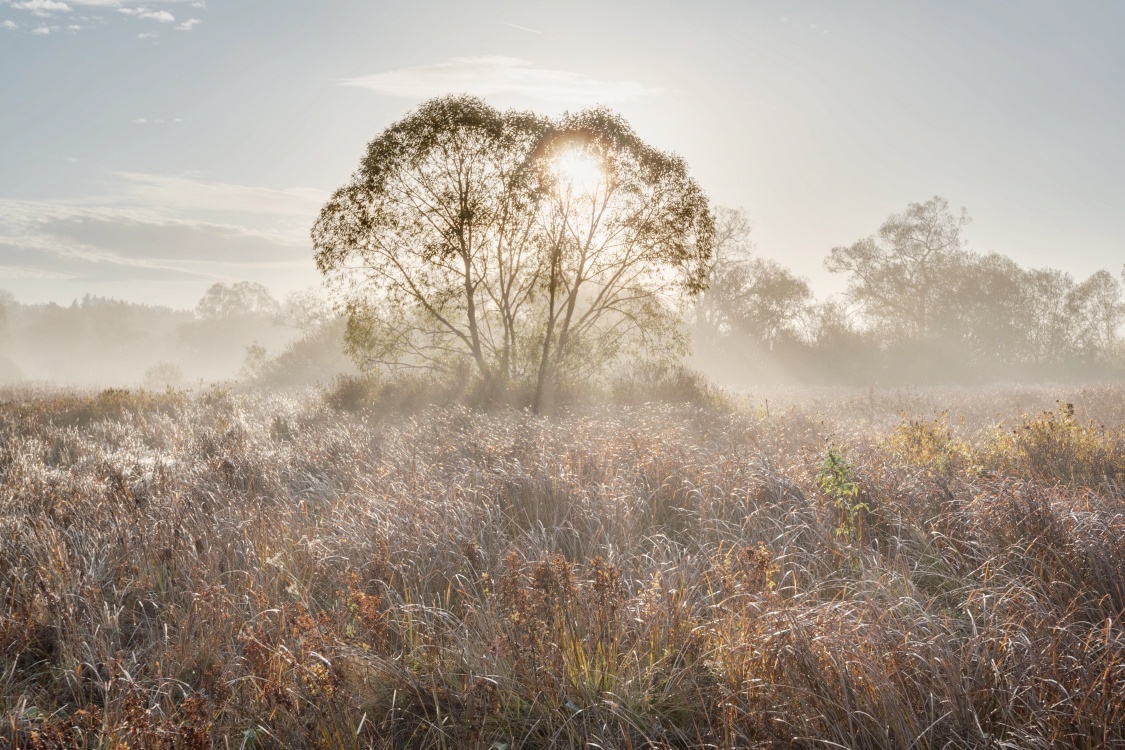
(919, 307)
(236, 330)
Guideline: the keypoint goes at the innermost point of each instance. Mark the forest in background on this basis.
(942, 314)
(919, 308)
(236, 331)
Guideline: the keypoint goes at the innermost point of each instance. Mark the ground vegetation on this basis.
(926, 568)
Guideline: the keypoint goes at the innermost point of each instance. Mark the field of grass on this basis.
(858, 569)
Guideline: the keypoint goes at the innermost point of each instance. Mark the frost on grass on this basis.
(908, 568)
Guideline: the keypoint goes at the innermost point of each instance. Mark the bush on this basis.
(350, 393)
(1057, 446)
(668, 383)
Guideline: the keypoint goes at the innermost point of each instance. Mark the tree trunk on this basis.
(545, 358)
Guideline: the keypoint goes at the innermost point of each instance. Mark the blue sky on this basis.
(149, 149)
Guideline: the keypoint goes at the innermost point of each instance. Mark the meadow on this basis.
(934, 568)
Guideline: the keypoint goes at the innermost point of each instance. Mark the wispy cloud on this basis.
(158, 224)
(30, 272)
(42, 7)
(521, 28)
(489, 75)
(162, 16)
(130, 4)
(186, 194)
(99, 11)
(41, 31)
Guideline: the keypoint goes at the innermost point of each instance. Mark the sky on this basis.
(151, 149)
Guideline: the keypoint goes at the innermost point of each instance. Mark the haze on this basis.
(152, 149)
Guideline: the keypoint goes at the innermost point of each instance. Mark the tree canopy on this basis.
(920, 290)
(894, 272)
(526, 248)
(756, 298)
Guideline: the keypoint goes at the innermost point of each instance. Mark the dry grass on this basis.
(218, 570)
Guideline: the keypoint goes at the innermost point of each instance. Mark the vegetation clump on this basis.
(1056, 445)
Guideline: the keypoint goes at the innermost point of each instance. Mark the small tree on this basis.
(756, 298)
(522, 248)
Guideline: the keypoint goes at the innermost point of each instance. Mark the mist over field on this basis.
(978, 319)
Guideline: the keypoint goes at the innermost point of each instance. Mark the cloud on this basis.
(82, 265)
(41, 31)
(8, 271)
(484, 76)
(162, 16)
(42, 7)
(137, 240)
(158, 226)
(92, 10)
(183, 194)
(521, 28)
(132, 5)
(149, 35)
(9, 25)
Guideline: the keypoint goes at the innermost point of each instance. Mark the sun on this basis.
(579, 170)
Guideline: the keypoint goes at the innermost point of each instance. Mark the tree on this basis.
(521, 247)
(238, 299)
(896, 272)
(1095, 312)
(627, 233)
(7, 300)
(8, 369)
(228, 319)
(755, 298)
(982, 307)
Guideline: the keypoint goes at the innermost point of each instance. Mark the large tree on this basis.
(896, 274)
(526, 248)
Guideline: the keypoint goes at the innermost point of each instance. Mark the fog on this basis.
(957, 317)
(236, 331)
(919, 307)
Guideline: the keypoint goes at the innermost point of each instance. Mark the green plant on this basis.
(836, 479)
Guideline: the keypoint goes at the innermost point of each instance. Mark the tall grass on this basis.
(258, 570)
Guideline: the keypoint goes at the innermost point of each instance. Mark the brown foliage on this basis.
(648, 576)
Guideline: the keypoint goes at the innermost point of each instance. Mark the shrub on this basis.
(1057, 446)
(664, 382)
(929, 444)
